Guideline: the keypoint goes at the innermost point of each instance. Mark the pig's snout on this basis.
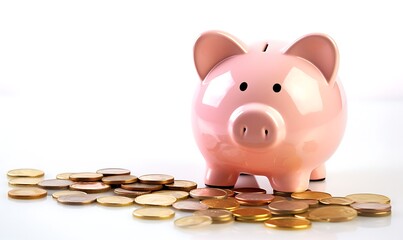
(256, 125)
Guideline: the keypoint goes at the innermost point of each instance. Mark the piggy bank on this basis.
(271, 109)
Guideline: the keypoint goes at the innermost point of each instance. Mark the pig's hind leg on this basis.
(319, 173)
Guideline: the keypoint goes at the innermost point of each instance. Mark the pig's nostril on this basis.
(243, 130)
(266, 132)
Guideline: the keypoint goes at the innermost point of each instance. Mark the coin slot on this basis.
(265, 47)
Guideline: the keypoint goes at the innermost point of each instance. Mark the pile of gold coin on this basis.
(158, 196)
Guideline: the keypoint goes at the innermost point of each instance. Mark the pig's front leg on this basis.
(319, 173)
(290, 182)
(220, 176)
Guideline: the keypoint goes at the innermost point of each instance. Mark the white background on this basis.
(92, 84)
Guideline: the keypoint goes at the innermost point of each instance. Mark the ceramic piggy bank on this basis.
(271, 109)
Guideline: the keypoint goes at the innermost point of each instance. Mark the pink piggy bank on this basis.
(271, 109)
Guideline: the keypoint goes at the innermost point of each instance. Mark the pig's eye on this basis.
(277, 87)
(243, 86)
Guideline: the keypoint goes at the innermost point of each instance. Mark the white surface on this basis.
(92, 84)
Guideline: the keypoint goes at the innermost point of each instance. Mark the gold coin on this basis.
(332, 214)
(113, 171)
(193, 221)
(230, 193)
(55, 184)
(63, 176)
(25, 181)
(67, 192)
(310, 195)
(303, 215)
(154, 213)
(119, 179)
(128, 193)
(77, 199)
(241, 219)
(336, 201)
(90, 187)
(217, 215)
(312, 203)
(248, 190)
(183, 185)
(278, 198)
(156, 179)
(252, 213)
(155, 200)
(179, 195)
(287, 223)
(142, 187)
(115, 201)
(205, 193)
(368, 197)
(25, 172)
(27, 193)
(254, 198)
(288, 207)
(86, 177)
(371, 207)
(189, 205)
(374, 214)
(226, 203)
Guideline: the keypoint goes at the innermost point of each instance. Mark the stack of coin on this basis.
(182, 185)
(251, 214)
(288, 207)
(372, 209)
(226, 203)
(371, 205)
(206, 193)
(310, 195)
(254, 199)
(27, 179)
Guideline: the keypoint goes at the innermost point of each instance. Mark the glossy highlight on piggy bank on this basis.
(272, 109)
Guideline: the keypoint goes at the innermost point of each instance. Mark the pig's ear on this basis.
(212, 47)
(321, 51)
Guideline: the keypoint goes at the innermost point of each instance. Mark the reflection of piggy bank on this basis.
(269, 109)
